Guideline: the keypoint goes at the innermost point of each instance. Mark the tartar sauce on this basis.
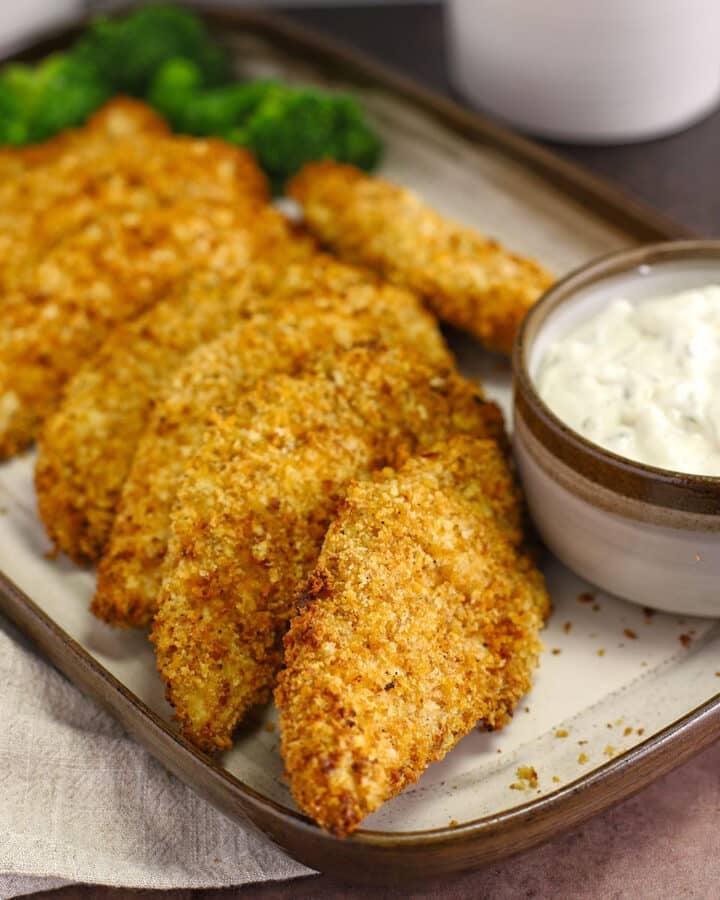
(643, 380)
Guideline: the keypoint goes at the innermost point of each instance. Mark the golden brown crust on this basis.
(99, 224)
(99, 276)
(97, 175)
(467, 280)
(87, 445)
(420, 619)
(254, 505)
(329, 305)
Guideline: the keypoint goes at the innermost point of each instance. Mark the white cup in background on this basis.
(20, 19)
(588, 70)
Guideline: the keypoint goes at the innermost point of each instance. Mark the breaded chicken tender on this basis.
(87, 445)
(100, 276)
(99, 175)
(420, 619)
(329, 306)
(467, 280)
(254, 505)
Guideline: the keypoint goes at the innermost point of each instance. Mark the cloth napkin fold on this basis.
(80, 801)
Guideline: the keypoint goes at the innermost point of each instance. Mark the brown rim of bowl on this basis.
(649, 484)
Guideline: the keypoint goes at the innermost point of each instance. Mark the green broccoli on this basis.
(59, 93)
(293, 126)
(284, 126)
(127, 52)
(13, 128)
(177, 92)
(165, 55)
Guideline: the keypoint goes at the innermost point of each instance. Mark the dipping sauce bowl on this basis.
(647, 534)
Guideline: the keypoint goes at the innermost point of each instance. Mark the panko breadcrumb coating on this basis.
(99, 175)
(87, 445)
(467, 280)
(330, 306)
(90, 282)
(254, 505)
(421, 619)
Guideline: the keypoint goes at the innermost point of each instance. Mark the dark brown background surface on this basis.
(665, 842)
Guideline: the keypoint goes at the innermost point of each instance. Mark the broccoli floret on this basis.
(13, 128)
(59, 93)
(174, 85)
(165, 54)
(291, 127)
(285, 127)
(127, 52)
(177, 93)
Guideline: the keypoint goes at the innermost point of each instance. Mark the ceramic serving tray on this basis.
(622, 695)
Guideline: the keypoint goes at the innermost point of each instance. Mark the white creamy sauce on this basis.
(643, 380)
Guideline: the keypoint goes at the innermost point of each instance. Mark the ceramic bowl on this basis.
(647, 534)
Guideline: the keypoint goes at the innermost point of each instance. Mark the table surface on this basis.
(663, 842)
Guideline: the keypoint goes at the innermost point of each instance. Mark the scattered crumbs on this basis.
(3, 510)
(269, 726)
(697, 557)
(643, 662)
(528, 779)
(627, 731)
(630, 634)
(609, 725)
(618, 721)
(528, 773)
(582, 743)
(556, 780)
(585, 598)
(685, 640)
(717, 674)
(561, 733)
(216, 859)
(601, 652)
(566, 627)
(596, 607)
(453, 823)
(498, 750)
(648, 613)
(582, 759)
(527, 709)
(609, 750)
(641, 731)
(556, 651)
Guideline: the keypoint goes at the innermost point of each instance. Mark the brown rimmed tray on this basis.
(539, 204)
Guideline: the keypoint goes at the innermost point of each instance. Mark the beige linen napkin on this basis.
(82, 802)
